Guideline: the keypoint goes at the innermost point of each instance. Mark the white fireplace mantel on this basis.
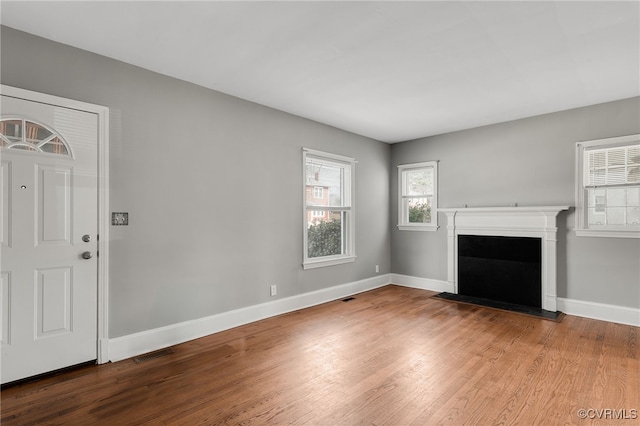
(536, 222)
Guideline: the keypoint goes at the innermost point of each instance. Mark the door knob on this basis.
(86, 238)
(87, 255)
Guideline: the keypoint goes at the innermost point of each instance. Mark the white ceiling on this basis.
(392, 71)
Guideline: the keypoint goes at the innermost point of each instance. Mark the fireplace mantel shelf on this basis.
(523, 209)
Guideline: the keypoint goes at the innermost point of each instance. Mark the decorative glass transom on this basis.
(18, 133)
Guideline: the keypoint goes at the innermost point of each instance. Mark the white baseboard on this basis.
(600, 311)
(421, 283)
(593, 310)
(147, 341)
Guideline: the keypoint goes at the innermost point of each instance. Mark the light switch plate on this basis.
(119, 218)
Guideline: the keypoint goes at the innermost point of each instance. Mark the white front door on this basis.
(48, 233)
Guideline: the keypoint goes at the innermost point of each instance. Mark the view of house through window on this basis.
(25, 135)
(328, 212)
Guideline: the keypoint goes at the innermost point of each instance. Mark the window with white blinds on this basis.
(617, 166)
(608, 187)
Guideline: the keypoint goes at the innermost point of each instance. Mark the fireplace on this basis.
(504, 269)
(507, 254)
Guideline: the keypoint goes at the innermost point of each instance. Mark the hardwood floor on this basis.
(391, 356)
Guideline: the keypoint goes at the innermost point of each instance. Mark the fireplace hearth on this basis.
(503, 306)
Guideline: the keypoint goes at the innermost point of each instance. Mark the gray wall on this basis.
(212, 185)
(529, 162)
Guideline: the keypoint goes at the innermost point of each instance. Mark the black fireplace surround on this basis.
(505, 269)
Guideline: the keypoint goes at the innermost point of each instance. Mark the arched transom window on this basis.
(18, 133)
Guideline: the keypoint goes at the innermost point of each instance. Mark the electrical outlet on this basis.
(377, 269)
(274, 290)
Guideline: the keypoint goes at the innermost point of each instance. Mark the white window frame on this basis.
(348, 207)
(403, 214)
(582, 227)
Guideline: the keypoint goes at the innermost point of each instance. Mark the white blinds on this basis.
(619, 166)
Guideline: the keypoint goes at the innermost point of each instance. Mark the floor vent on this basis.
(152, 355)
(348, 299)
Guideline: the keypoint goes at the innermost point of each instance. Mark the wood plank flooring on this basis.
(391, 356)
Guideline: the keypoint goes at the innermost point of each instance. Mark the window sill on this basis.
(607, 233)
(418, 227)
(312, 264)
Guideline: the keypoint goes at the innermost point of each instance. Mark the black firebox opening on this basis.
(506, 269)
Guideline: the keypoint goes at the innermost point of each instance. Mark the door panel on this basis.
(54, 304)
(5, 228)
(54, 205)
(49, 201)
(5, 318)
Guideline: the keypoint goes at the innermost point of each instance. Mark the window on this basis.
(417, 196)
(20, 134)
(608, 187)
(329, 218)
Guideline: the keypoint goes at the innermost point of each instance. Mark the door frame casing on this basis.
(102, 112)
